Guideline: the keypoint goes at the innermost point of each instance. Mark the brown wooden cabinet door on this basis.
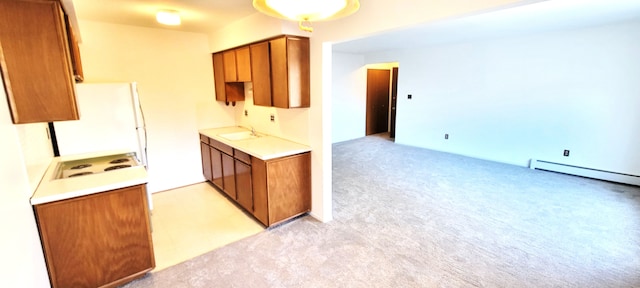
(228, 175)
(216, 167)
(97, 240)
(218, 77)
(36, 62)
(279, 73)
(260, 194)
(243, 185)
(288, 186)
(74, 50)
(243, 64)
(230, 73)
(298, 55)
(261, 74)
(281, 187)
(206, 161)
(290, 74)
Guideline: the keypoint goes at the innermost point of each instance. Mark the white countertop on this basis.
(265, 147)
(51, 189)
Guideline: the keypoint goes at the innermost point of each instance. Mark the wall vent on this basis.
(585, 172)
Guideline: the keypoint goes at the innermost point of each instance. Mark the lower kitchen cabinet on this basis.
(216, 167)
(211, 162)
(205, 149)
(281, 187)
(98, 240)
(229, 177)
(272, 190)
(244, 189)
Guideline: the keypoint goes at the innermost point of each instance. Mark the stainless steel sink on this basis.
(236, 136)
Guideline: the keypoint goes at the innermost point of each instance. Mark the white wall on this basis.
(175, 82)
(513, 99)
(22, 262)
(349, 93)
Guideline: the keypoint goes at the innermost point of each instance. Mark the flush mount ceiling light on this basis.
(307, 10)
(168, 17)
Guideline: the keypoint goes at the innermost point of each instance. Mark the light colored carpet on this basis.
(410, 217)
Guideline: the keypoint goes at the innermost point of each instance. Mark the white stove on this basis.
(95, 165)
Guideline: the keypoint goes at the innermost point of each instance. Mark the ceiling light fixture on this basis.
(306, 11)
(168, 17)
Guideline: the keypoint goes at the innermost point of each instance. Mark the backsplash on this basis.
(36, 149)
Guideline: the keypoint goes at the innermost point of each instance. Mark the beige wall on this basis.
(22, 261)
(175, 81)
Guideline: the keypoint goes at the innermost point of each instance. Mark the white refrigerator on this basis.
(111, 118)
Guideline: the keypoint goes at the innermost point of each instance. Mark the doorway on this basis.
(381, 101)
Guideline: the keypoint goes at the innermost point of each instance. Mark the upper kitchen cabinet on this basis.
(237, 65)
(280, 72)
(290, 72)
(226, 92)
(261, 74)
(76, 62)
(35, 62)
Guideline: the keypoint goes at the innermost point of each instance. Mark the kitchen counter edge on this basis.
(52, 190)
(265, 147)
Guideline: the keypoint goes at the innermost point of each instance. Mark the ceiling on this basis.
(197, 15)
(205, 16)
(526, 19)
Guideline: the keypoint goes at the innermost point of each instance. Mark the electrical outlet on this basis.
(446, 136)
(566, 153)
(246, 113)
(272, 118)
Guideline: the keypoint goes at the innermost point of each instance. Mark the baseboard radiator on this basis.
(585, 172)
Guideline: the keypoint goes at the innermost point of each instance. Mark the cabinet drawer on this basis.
(222, 147)
(204, 139)
(244, 157)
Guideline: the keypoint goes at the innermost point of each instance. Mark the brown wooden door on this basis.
(243, 185)
(394, 101)
(290, 74)
(36, 62)
(228, 175)
(97, 240)
(377, 101)
(243, 63)
(216, 167)
(261, 74)
(229, 59)
(260, 194)
(279, 73)
(298, 69)
(218, 76)
(288, 186)
(206, 161)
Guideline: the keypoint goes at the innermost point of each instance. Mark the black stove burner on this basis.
(121, 160)
(116, 167)
(81, 173)
(81, 166)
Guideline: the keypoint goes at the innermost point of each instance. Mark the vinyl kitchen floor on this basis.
(190, 221)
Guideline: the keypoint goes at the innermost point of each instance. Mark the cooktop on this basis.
(90, 166)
